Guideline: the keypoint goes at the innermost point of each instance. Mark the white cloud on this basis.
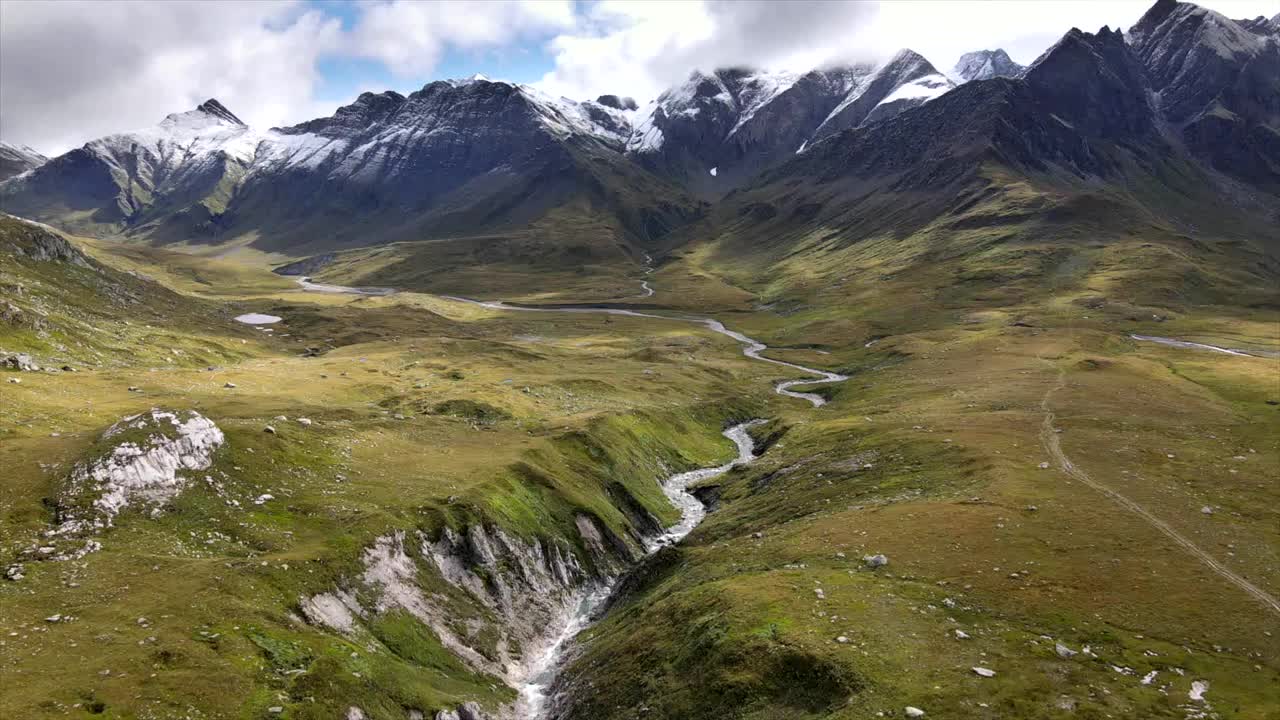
(641, 48)
(71, 71)
(74, 70)
(410, 36)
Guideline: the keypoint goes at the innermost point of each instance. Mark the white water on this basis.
(1201, 346)
(257, 319)
(541, 673)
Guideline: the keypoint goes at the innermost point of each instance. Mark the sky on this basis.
(72, 71)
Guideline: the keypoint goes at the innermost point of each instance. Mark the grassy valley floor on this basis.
(1059, 504)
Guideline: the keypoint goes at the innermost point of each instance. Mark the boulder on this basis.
(20, 361)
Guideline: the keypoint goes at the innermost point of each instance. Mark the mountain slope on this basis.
(182, 172)
(716, 131)
(17, 159)
(1218, 83)
(1076, 143)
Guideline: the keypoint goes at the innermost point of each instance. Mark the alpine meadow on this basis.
(863, 389)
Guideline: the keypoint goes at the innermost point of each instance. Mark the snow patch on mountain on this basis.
(925, 88)
(758, 90)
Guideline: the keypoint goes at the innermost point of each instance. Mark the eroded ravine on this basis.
(541, 674)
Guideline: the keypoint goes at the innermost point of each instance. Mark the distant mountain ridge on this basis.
(474, 156)
(17, 159)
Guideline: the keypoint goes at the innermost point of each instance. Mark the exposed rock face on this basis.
(19, 361)
(986, 64)
(1218, 81)
(34, 241)
(520, 592)
(145, 465)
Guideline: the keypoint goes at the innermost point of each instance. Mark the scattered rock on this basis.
(1206, 510)
(304, 421)
(15, 381)
(1198, 689)
(912, 711)
(961, 635)
(355, 713)
(875, 561)
(984, 672)
(1044, 466)
(269, 430)
(228, 385)
(1064, 651)
(842, 640)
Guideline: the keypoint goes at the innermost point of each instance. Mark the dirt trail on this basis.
(1053, 445)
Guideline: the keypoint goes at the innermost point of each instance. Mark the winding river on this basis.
(1201, 346)
(751, 347)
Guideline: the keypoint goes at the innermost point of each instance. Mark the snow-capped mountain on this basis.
(448, 151)
(907, 80)
(986, 64)
(17, 159)
(716, 130)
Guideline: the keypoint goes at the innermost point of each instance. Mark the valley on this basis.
(868, 391)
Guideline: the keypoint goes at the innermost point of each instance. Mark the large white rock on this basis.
(145, 470)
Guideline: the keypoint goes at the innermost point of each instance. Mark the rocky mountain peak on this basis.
(220, 111)
(209, 115)
(986, 64)
(1094, 82)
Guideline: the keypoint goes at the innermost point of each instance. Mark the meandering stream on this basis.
(1201, 346)
(752, 348)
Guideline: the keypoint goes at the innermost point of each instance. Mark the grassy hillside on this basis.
(423, 414)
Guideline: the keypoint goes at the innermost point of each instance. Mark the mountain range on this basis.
(1187, 95)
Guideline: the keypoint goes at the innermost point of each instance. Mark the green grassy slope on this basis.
(424, 414)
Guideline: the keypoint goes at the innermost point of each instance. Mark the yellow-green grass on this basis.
(219, 585)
